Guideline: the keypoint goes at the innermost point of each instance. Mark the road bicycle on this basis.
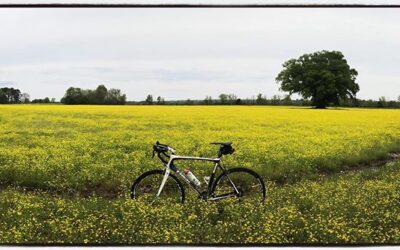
(240, 183)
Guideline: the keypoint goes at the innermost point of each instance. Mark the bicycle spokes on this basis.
(242, 185)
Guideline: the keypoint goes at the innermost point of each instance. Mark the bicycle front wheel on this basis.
(146, 187)
(246, 184)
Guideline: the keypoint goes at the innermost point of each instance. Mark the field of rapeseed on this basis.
(65, 173)
(351, 208)
(102, 149)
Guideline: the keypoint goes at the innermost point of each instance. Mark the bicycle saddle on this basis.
(224, 148)
(222, 143)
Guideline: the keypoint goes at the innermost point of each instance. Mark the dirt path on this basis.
(390, 157)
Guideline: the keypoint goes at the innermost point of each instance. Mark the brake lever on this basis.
(153, 154)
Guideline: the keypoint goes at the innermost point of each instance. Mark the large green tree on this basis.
(323, 76)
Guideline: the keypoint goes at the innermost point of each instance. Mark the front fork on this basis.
(167, 171)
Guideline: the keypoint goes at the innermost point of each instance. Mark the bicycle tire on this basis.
(152, 190)
(241, 184)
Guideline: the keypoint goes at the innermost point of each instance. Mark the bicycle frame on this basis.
(209, 196)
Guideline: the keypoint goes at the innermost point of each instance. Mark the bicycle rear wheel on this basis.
(250, 186)
(146, 186)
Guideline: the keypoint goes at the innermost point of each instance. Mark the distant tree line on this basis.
(98, 96)
(225, 99)
(277, 100)
(380, 103)
(44, 100)
(14, 96)
(113, 96)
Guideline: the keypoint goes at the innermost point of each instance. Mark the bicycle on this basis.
(241, 183)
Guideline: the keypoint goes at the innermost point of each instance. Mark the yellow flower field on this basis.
(103, 148)
(348, 209)
(66, 173)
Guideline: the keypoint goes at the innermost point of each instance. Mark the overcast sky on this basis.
(191, 53)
